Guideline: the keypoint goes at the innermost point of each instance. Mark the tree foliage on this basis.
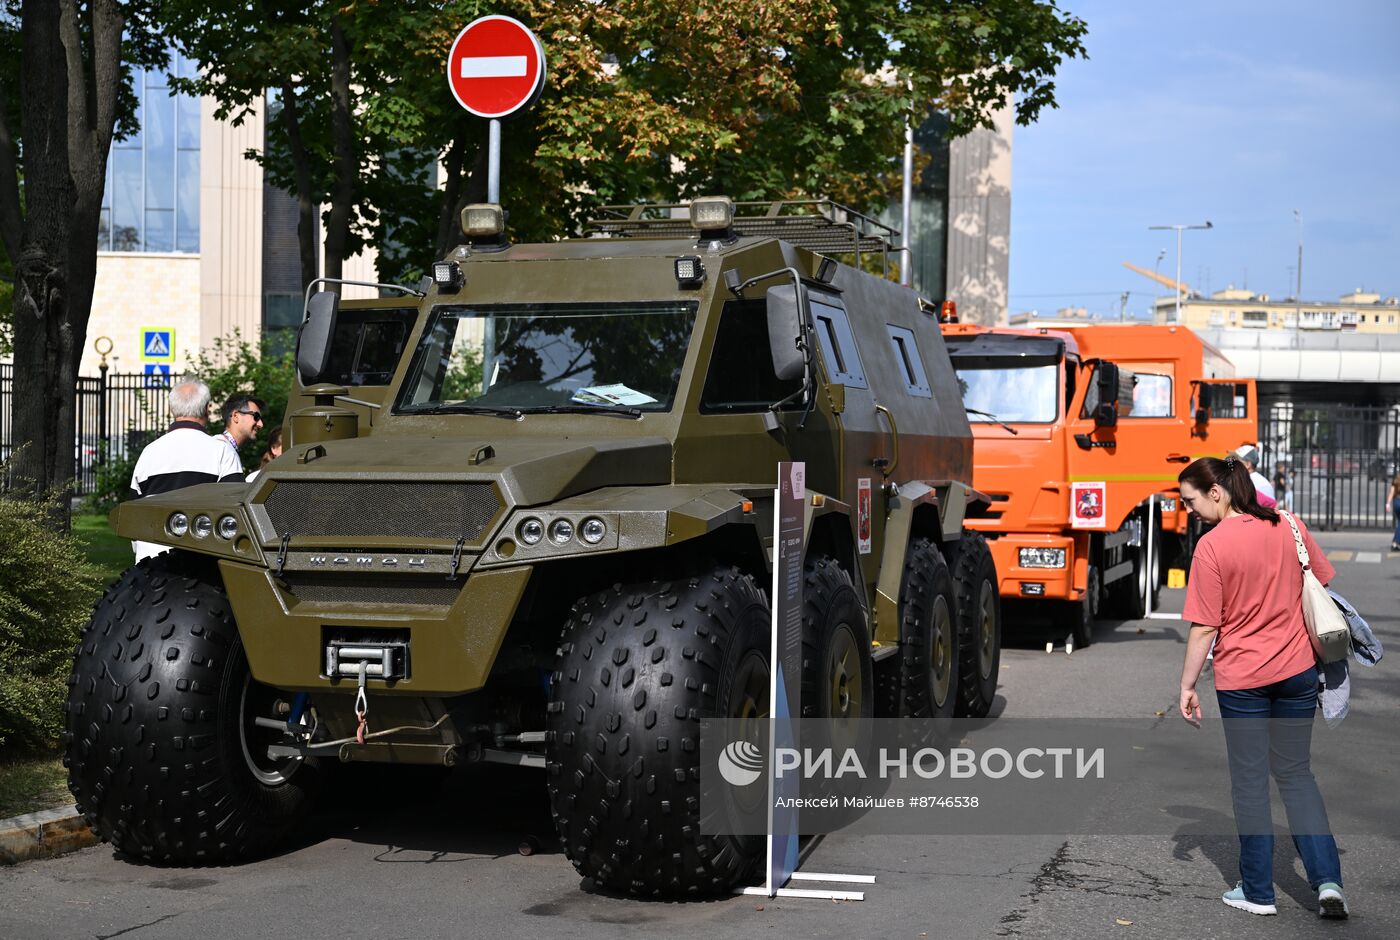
(646, 100)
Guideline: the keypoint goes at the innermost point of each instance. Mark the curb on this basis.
(44, 834)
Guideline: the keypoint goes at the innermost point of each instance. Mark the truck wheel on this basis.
(1131, 592)
(979, 624)
(639, 666)
(1077, 617)
(922, 681)
(163, 755)
(837, 676)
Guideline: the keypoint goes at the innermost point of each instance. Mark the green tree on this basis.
(65, 87)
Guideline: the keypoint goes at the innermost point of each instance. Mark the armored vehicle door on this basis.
(366, 345)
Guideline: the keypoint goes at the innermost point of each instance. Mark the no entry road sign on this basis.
(496, 67)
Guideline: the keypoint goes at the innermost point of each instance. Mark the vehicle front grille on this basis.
(358, 591)
(446, 511)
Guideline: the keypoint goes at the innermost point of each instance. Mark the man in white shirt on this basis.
(185, 455)
(1250, 455)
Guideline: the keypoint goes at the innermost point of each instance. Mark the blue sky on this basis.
(1236, 112)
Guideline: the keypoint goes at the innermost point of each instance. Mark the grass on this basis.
(30, 784)
(109, 552)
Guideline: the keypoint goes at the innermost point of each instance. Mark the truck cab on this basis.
(1081, 431)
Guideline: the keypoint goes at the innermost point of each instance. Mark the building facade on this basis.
(1233, 308)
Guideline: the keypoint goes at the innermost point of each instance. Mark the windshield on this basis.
(537, 357)
(1016, 394)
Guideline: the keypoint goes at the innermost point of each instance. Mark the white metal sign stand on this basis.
(785, 650)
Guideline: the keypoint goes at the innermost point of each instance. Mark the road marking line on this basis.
(1339, 556)
(494, 66)
(1373, 558)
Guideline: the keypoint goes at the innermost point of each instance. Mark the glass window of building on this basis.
(151, 200)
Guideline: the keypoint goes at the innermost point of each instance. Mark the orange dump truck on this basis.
(1079, 433)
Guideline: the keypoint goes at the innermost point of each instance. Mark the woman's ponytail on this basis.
(1232, 476)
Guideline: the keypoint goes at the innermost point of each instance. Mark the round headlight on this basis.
(561, 531)
(202, 526)
(593, 530)
(228, 527)
(178, 524)
(530, 530)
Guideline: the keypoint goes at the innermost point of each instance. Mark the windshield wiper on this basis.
(515, 414)
(991, 417)
(621, 411)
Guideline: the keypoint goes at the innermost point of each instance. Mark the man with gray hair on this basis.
(185, 455)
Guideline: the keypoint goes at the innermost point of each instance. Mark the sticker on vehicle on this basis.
(863, 515)
(1087, 504)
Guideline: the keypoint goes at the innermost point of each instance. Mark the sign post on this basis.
(496, 67)
(784, 697)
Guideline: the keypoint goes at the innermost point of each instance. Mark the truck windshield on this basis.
(537, 357)
(1012, 391)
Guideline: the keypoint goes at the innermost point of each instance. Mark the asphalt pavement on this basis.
(439, 858)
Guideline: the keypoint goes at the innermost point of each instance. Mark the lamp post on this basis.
(1155, 266)
(1179, 229)
(1298, 294)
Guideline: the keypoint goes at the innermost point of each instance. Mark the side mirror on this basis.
(1203, 403)
(314, 338)
(787, 311)
(1106, 414)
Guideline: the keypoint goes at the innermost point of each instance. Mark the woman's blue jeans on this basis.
(1395, 511)
(1268, 730)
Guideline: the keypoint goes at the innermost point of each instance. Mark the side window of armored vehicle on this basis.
(1152, 395)
(741, 378)
(367, 345)
(911, 365)
(837, 342)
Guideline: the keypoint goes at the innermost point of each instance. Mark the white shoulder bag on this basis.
(1327, 626)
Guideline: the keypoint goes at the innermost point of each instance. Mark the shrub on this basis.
(112, 480)
(47, 591)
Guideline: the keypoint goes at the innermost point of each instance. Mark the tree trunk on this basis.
(343, 150)
(301, 165)
(68, 109)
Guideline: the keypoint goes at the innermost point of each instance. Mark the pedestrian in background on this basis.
(1283, 492)
(1264, 490)
(1245, 593)
(243, 415)
(274, 450)
(184, 455)
(1392, 502)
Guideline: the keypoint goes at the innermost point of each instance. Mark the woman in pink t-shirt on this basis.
(1245, 594)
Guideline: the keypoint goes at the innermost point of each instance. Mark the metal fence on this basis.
(115, 414)
(1340, 461)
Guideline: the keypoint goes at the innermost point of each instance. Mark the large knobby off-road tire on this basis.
(921, 683)
(163, 757)
(978, 610)
(639, 666)
(838, 678)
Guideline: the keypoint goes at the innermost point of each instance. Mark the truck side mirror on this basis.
(314, 338)
(1108, 377)
(787, 311)
(1203, 403)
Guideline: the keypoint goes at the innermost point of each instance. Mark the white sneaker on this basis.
(1235, 898)
(1331, 903)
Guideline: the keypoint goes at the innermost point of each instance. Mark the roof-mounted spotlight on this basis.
(484, 224)
(447, 275)
(713, 218)
(690, 271)
(826, 271)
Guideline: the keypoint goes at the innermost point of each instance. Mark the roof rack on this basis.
(816, 224)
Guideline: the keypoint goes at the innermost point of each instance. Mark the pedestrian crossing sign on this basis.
(157, 374)
(157, 344)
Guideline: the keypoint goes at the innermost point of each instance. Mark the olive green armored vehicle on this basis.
(526, 515)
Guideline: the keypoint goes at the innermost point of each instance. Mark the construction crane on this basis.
(1182, 288)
